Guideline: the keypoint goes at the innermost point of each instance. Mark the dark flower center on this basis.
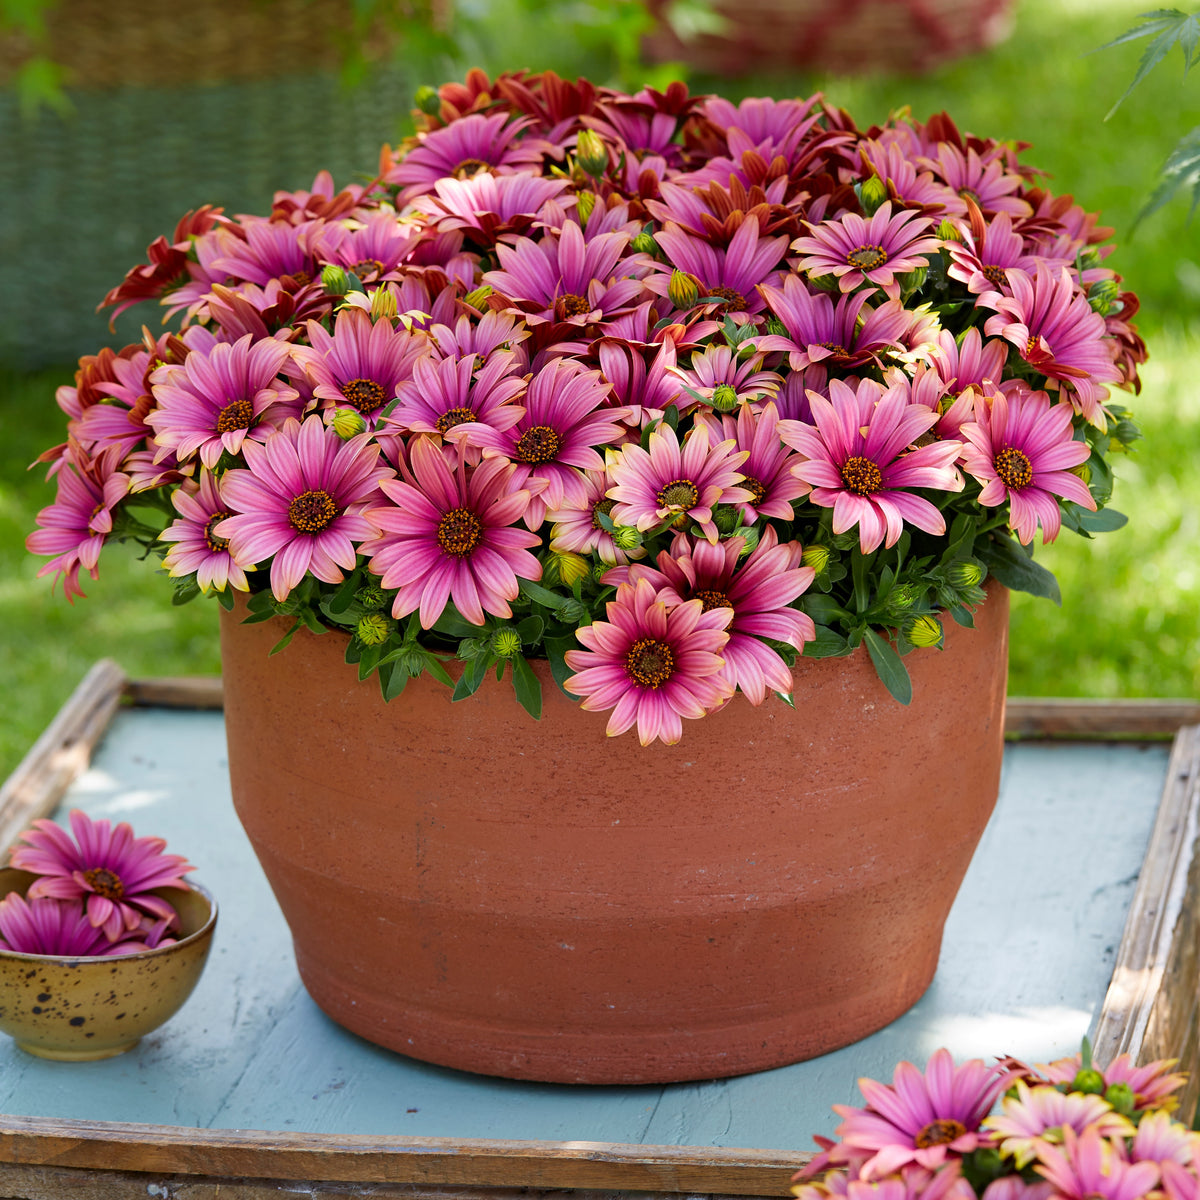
(237, 414)
(861, 476)
(680, 494)
(364, 394)
(867, 258)
(1013, 466)
(995, 275)
(301, 279)
(310, 512)
(469, 167)
(734, 301)
(940, 1133)
(710, 599)
(216, 544)
(971, 194)
(538, 444)
(836, 348)
(368, 266)
(603, 507)
(459, 532)
(575, 306)
(455, 416)
(105, 883)
(650, 662)
(757, 489)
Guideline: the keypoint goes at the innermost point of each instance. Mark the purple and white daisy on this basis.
(299, 503)
(462, 149)
(578, 530)
(447, 392)
(1088, 1167)
(57, 928)
(197, 549)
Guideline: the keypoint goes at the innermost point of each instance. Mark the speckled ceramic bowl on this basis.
(83, 1008)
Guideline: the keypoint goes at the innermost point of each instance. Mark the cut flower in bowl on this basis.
(661, 388)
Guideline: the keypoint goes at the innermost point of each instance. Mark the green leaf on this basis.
(1171, 26)
(283, 642)
(433, 665)
(827, 644)
(393, 679)
(225, 600)
(472, 677)
(531, 630)
(1014, 567)
(369, 660)
(1104, 521)
(556, 649)
(889, 667)
(344, 596)
(1182, 170)
(535, 591)
(962, 616)
(823, 609)
(453, 624)
(528, 689)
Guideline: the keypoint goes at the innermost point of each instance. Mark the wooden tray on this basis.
(1149, 1011)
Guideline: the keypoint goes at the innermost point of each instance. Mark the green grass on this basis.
(1130, 624)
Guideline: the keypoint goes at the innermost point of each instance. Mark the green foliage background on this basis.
(1130, 622)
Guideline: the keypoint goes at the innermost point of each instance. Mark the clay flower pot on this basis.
(534, 900)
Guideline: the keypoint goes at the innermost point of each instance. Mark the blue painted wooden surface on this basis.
(1026, 960)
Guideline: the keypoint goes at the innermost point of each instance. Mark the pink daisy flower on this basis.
(449, 536)
(220, 397)
(580, 531)
(1088, 1167)
(759, 593)
(489, 205)
(1056, 331)
(58, 928)
(644, 392)
(269, 250)
(715, 365)
(463, 148)
(1153, 1085)
(1159, 1139)
(372, 251)
(651, 664)
(983, 264)
(666, 483)
(113, 872)
(921, 1117)
(75, 527)
(444, 394)
(361, 364)
(983, 179)
(299, 502)
(1180, 1183)
(859, 464)
(556, 436)
(1021, 448)
(197, 549)
(873, 250)
(1035, 1115)
(489, 333)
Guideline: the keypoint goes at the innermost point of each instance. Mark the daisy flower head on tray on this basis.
(113, 872)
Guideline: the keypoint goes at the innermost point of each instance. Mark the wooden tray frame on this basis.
(1150, 1011)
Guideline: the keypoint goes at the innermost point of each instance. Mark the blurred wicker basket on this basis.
(838, 36)
(174, 107)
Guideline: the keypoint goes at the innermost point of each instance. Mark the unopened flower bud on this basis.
(925, 630)
(777, 327)
(626, 537)
(572, 611)
(584, 203)
(478, 297)
(469, 648)
(591, 153)
(682, 290)
(373, 629)
(815, 556)
(724, 398)
(334, 280)
(965, 573)
(565, 567)
(1103, 296)
(1083, 471)
(1120, 1096)
(506, 642)
(825, 283)
(412, 659)
(1089, 1081)
(347, 423)
(428, 100)
(901, 598)
(726, 519)
(383, 305)
(914, 281)
(644, 243)
(948, 231)
(872, 193)
(749, 538)
(371, 596)
(1089, 259)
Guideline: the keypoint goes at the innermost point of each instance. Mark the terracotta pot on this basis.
(538, 901)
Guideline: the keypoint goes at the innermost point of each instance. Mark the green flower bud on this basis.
(371, 596)
(477, 298)
(948, 231)
(1089, 1081)
(572, 611)
(914, 281)
(1104, 295)
(872, 193)
(506, 642)
(965, 573)
(925, 630)
(1120, 1096)
(815, 556)
(1089, 259)
(584, 203)
(373, 629)
(726, 519)
(565, 567)
(591, 153)
(334, 280)
(901, 598)
(724, 398)
(1083, 471)
(644, 243)
(412, 660)
(428, 100)
(626, 537)
(383, 305)
(469, 648)
(777, 327)
(347, 423)
(749, 538)
(682, 290)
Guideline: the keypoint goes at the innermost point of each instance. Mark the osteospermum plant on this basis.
(663, 389)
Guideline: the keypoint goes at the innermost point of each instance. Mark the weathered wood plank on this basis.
(177, 691)
(1150, 1010)
(61, 753)
(470, 1162)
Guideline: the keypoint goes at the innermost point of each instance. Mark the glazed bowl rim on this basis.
(136, 956)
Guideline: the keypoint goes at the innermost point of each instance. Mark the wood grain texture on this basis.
(469, 1162)
(176, 691)
(1151, 1009)
(61, 753)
